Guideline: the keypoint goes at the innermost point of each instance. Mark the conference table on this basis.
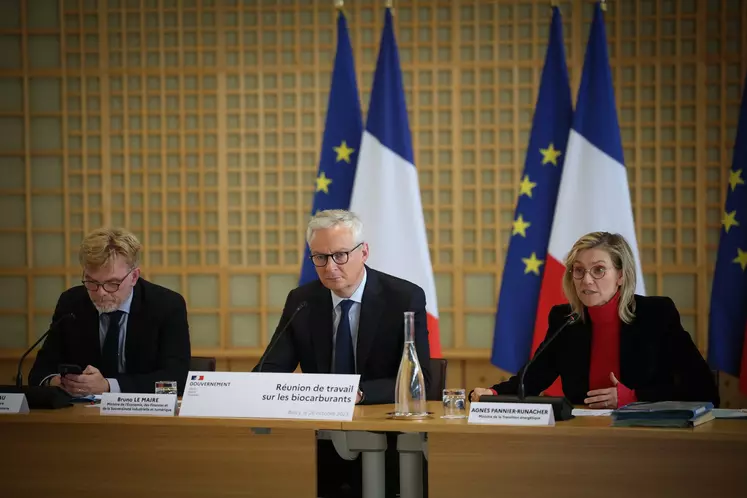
(74, 451)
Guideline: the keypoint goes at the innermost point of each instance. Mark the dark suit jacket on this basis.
(658, 359)
(157, 344)
(308, 339)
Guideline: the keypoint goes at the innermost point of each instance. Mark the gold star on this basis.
(532, 264)
(322, 183)
(520, 226)
(729, 220)
(550, 155)
(526, 186)
(343, 152)
(741, 258)
(735, 178)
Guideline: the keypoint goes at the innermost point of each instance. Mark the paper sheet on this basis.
(726, 413)
(584, 412)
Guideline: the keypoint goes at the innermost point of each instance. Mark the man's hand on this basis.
(54, 381)
(91, 381)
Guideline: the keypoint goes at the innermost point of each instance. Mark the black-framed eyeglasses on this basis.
(596, 272)
(340, 257)
(110, 286)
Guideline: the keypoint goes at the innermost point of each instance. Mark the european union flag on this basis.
(343, 130)
(728, 316)
(527, 249)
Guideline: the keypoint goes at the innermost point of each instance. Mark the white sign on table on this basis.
(511, 414)
(153, 405)
(270, 395)
(13, 403)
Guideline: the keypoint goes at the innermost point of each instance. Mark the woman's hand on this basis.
(603, 398)
(480, 391)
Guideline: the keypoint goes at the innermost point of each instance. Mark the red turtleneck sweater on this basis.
(605, 350)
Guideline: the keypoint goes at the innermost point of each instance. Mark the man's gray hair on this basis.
(332, 218)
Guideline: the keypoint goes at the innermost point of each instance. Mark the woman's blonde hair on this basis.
(622, 259)
(99, 248)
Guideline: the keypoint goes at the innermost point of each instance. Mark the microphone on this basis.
(561, 406)
(44, 397)
(55, 324)
(573, 318)
(277, 336)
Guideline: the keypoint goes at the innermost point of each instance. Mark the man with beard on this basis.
(126, 333)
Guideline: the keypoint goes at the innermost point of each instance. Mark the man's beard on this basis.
(106, 307)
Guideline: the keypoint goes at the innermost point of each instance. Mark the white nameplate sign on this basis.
(511, 414)
(13, 403)
(270, 395)
(153, 405)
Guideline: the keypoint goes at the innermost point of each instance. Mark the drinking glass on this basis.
(454, 403)
(166, 387)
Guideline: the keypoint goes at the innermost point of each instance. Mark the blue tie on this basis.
(110, 351)
(344, 359)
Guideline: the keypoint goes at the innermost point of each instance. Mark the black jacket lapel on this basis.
(87, 323)
(135, 322)
(637, 357)
(580, 336)
(368, 323)
(320, 323)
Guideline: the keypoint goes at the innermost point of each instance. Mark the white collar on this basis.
(357, 296)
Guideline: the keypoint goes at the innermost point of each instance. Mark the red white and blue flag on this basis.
(386, 192)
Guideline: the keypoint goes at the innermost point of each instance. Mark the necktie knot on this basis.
(345, 305)
(115, 315)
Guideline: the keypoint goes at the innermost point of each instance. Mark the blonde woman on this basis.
(623, 347)
(123, 332)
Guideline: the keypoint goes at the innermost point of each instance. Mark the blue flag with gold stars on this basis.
(343, 130)
(538, 191)
(727, 334)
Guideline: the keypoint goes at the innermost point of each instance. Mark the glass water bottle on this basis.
(409, 392)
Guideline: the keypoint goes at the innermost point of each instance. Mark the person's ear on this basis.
(364, 252)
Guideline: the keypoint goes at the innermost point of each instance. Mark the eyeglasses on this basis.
(340, 257)
(596, 272)
(110, 287)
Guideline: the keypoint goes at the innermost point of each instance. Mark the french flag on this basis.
(386, 192)
(593, 193)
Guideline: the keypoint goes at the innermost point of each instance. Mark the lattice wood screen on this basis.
(198, 123)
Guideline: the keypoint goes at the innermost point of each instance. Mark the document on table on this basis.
(584, 412)
(726, 413)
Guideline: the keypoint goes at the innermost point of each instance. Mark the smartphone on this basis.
(69, 368)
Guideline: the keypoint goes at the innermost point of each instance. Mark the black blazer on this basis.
(658, 359)
(308, 339)
(157, 345)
